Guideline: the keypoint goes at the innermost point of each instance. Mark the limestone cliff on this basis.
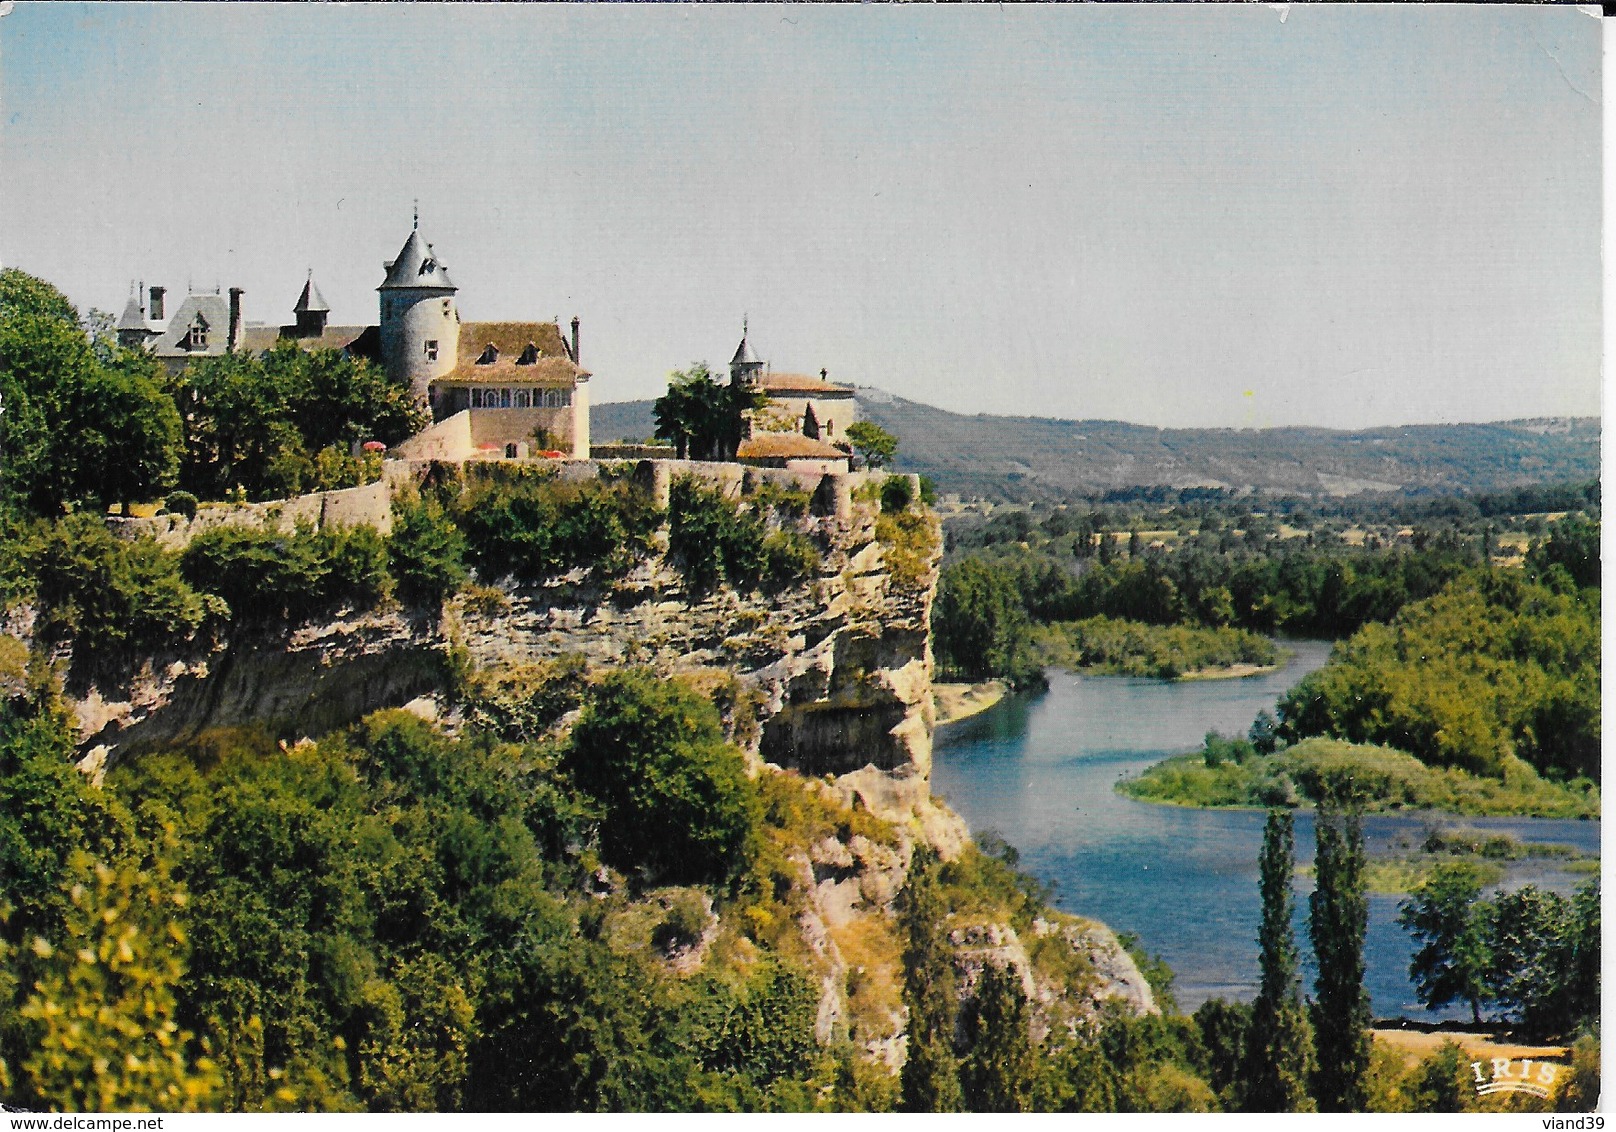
(834, 682)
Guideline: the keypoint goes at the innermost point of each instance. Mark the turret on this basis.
(744, 367)
(420, 328)
(312, 310)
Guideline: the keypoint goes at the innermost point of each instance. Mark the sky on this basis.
(1185, 216)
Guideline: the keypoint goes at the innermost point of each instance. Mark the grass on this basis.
(1387, 779)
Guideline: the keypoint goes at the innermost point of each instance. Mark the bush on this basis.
(677, 803)
(896, 494)
(426, 551)
(522, 522)
(789, 556)
(181, 503)
(113, 599)
(711, 539)
(266, 574)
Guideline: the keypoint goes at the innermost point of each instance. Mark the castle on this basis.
(803, 422)
(495, 389)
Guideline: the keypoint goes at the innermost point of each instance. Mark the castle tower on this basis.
(311, 310)
(420, 327)
(744, 367)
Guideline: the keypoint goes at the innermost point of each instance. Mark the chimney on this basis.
(575, 360)
(156, 309)
(234, 340)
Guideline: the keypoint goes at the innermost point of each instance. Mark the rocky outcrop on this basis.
(839, 664)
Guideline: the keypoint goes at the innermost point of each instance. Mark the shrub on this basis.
(181, 503)
(789, 556)
(426, 551)
(711, 539)
(676, 799)
(532, 526)
(266, 574)
(896, 494)
(113, 599)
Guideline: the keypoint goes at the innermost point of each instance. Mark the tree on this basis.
(980, 625)
(104, 1006)
(76, 426)
(1444, 915)
(1573, 544)
(1224, 1028)
(1337, 920)
(930, 1077)
(1545, 951)
(875, 445)
(703, 419)
(425, 551)
(676, 800)
(1279, 1046)
(997, 1073)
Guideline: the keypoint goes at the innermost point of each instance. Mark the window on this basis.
(523, 399)
(198, 335)
(510, 452)
(431, 349)
(504, 398)
(530, 354)
(448, 308)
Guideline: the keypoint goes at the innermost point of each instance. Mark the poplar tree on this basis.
(1279, 1045)
(930, 1078)
(1338, 918)
(997, 1074)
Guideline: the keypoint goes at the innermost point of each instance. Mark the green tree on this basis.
(1279, 1048)
(675, 798)
(702, 418)
(425, 551)
(1573, 545)
(711, 539)
(1225, 1027)
(997, 1072)
(979, 624)
(108, 1038)
(1338, 917)
(115, 600)
(930, 1079)
(875, 445)
(76, 426)
(1445, 916)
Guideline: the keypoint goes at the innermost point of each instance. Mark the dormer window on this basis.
(428, 266)
(529, 355)
(197, 336)
(489, 356)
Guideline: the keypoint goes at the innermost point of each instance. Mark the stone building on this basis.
(813, 407)
(519, 384)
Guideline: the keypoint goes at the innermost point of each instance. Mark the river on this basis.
(1040, 770)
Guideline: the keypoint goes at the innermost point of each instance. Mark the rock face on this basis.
(834, 675)
(840, 663)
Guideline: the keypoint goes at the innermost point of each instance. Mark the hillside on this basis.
(1035, 457)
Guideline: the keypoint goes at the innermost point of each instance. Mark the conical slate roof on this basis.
(743, 355)
(133, 318)
(311, 301)
(416, 266)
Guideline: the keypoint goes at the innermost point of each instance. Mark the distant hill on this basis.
(1034, 457)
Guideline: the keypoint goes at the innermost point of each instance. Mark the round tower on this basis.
(420, 327)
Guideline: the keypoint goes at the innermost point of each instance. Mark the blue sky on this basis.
(1198, 215)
